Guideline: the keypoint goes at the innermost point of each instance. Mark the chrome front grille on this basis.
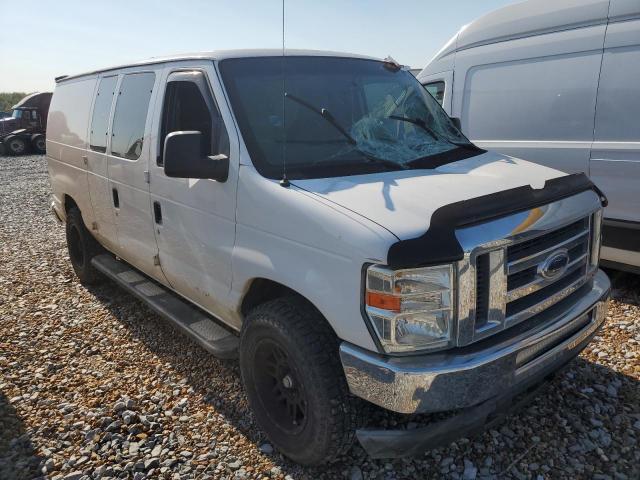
(543, 256)
(526, 286)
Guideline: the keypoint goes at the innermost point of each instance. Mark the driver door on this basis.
(194, 219)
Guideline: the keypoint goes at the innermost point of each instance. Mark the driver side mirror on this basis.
(184, 158)
(456, 122)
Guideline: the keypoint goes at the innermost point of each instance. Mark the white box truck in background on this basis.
(557, 83)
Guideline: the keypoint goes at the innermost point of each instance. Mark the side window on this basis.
(100, 119)
(186, 107)
(436, 89)
(130, 116)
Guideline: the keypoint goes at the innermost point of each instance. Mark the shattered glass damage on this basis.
(332, 116)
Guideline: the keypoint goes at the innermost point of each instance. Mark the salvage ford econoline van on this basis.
(557, 83)
(321, 217)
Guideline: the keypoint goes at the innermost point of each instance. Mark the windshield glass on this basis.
(338, 116)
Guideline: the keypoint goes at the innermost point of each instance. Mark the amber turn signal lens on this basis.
(383, 301)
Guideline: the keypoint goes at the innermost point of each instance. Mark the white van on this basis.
(319, 215)
(556, 82)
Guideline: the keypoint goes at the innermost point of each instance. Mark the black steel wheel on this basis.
(295, 383)
(279, 386)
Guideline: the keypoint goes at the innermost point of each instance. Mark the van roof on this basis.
(221, 55)
(523, 19)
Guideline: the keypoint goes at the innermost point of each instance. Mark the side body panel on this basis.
(66, 145)
(533, 98)
(615, 156)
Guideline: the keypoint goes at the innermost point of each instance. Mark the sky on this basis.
(44, 39)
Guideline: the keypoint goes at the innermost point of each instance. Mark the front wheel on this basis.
(295, 383)
(15, 145)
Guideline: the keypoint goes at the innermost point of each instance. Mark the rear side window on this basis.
(186, 108)
(130, 116)
(100, 119)
(436, 89)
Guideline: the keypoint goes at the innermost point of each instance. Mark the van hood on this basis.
(404, 201)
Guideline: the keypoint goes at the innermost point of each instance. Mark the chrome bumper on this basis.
(452, 380)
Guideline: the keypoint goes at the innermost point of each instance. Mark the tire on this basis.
(39, 143)
(82, 248)
(15, 145)
(295, 383)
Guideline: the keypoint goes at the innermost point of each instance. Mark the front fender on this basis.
(316, 249)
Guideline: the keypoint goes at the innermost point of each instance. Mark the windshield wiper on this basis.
(422, 124)
(416, 121)
(383, 161)
(324, 113)
(370, 160)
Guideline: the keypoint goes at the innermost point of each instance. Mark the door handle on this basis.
(157, 212)
(116, 199)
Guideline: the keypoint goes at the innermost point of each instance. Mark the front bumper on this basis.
(460, 379)
(481, 383)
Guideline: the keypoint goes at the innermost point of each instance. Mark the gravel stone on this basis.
(470, 471)
(355, 473)
(73, 476)
(95, 385)
(266, 448)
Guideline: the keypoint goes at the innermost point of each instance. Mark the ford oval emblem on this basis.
(555, 264)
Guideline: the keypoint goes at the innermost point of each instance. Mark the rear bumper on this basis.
(480, 382)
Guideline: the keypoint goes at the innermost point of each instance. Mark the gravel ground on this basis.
(94, 385)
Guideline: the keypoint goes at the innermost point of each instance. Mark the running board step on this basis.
(188, 318)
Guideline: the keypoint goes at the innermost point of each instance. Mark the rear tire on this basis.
(39, 143)
(82, 248)
(15, 145)
(295, 383)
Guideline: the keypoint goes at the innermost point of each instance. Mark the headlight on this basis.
(410, 309)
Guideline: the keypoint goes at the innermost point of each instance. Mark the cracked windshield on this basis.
(339, 113)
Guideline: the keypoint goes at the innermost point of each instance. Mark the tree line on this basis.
(9, 99)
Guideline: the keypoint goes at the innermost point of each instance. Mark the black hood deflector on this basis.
(440, 245)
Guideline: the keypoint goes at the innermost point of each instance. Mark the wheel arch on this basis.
(261, 290)
(70, 203)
